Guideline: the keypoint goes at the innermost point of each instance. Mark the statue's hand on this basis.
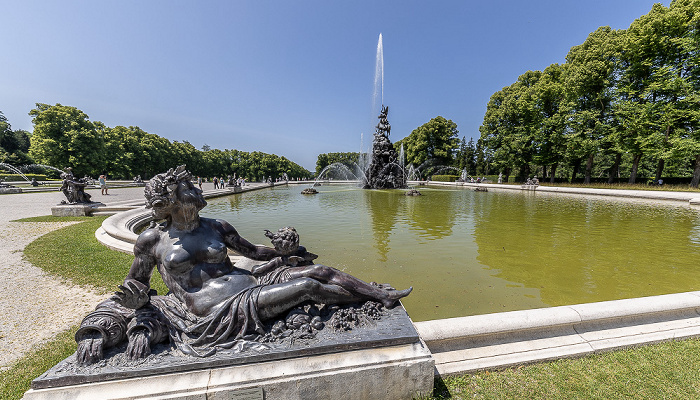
(295, 260)
(132, 295)
(263, 269)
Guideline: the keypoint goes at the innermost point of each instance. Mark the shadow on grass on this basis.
(440, 389)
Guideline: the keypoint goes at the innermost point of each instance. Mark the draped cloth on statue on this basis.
(223, 328)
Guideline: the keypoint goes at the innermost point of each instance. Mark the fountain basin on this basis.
(471, 257)
(496, 340)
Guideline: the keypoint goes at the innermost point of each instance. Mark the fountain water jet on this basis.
(15, 170)
(29, 166)
(378, 75)
(342, 169)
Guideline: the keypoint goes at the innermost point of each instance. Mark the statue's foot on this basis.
(393, 296)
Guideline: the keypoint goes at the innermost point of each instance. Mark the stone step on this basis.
(494, 341)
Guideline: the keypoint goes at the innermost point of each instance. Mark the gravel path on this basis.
(36, 306)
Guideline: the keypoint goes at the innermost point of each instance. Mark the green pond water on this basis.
(468, 253)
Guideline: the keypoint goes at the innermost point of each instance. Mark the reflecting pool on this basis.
(468, 253)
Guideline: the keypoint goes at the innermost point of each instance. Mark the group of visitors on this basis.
(220, 183)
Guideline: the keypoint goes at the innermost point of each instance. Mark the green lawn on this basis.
(73, 253)
(668, 370)
(663, 371)
(626, 186)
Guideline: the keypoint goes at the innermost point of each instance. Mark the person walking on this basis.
(103, 185)
(216, 182)
(199, 182)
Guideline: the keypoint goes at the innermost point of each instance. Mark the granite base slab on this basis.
(387, 360)
(75, 210)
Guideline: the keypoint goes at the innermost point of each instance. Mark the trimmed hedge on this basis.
(444, 178)
(18, 178)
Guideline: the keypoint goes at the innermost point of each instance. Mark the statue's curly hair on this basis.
(161, 189)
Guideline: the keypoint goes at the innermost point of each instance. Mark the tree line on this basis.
(14, 144)
(350, 160)
(626, 103)
(64, 136)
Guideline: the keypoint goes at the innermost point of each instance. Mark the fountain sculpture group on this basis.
(384, 171)
(74, 188)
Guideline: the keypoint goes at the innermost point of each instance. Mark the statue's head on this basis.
(67, 173)
(162, 191)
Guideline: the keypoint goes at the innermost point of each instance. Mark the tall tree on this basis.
(684, 141)
(656, 93)
(350, 160)
(494, 133)
(551, 108)
(511, 125)
(64, 137)
(466, 156)
(590, 80)
(124, 147)
(436, 140)
(14, 145)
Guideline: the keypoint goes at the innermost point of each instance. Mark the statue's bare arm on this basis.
(242, 246)
(134, 293)
(260, 253)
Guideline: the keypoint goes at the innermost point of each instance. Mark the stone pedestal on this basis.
(75, 210)
(386, 361)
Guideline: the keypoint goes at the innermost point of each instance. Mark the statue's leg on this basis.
(350, 283)
(277, 299)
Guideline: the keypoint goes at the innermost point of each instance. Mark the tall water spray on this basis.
(365, 158)
(378, 76)
(15, 170)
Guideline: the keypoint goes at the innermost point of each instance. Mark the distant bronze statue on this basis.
(211, 304)
(74, 188)
(5, 185)
(384, 171)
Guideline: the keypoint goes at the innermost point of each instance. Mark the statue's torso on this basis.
(196, 268)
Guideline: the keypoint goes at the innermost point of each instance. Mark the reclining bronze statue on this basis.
(211, 304)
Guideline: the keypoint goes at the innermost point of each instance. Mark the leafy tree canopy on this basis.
(64, 136)
(14, 145)
(350, 160)
(436, 140)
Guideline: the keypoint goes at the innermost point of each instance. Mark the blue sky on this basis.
(293, 78)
